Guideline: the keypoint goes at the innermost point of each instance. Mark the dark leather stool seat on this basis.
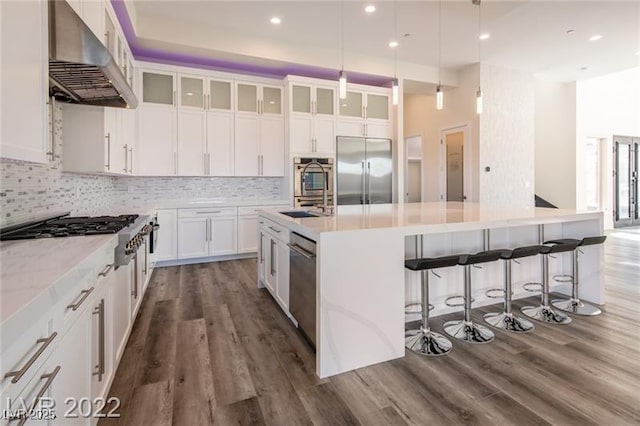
(424, 341)
(505, 320)
(574, 304)
(465, 329)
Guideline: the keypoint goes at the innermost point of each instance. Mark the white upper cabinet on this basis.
(365, 113)
(312, 117)
(158, 88)
(157, 150)
(192, 126)
(219, 147)
(24, 81)
(260, 99)
(191, 92)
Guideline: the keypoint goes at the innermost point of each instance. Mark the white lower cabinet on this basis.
(207, 232)
(273, 269)
(248, 226)
(167, 248)
(119, 310)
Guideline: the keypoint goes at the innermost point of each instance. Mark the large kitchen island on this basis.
(362, 287)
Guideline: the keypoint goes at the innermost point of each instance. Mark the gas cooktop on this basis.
(64, 226)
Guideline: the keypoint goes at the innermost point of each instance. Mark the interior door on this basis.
(455, 166)
(379, 167)
(350, 171)
(625, 181)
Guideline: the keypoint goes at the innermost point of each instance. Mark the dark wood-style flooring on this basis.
(209, 347)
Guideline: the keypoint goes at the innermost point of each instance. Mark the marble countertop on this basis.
(29, 268)
(434, 217)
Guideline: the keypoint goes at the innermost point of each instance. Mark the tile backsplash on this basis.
(29, 190)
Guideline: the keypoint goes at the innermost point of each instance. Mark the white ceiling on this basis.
(525, 35)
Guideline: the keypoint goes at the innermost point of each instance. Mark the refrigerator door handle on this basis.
(363, 184)
(369, 178)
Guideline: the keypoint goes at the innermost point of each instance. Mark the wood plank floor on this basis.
(208, 347)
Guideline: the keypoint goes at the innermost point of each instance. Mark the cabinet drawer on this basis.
(222, 211)
(279, 232)
(245, 211)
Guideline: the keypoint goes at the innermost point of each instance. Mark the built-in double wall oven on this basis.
(310, 180)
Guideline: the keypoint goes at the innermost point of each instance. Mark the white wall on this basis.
(555, 142)
(606, 106)
(507, 138)
(422, 118)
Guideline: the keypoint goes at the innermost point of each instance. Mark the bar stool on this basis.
(465, 329)
(506, 320)
(424, 341)
(574, 304)
(544, 312)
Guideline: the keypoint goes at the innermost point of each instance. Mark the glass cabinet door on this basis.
(157, 88)
(191, 92)
(352, 105)
(220, 95)
(378, 106)
(271, 100)
(324, 101)
(301, 99)
(247, 97)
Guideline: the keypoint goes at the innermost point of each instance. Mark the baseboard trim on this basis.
(192, 261)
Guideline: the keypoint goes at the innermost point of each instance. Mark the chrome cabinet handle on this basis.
(17, 375)
(99, 310)
(301, 251)
(84, 294)
(144, 269)
(106, 270)
(273, 272)
(274, 229)
(41, 392)
(108, 138)
(52, 152)
(126, 157)
(261, 249)
(134, 293)
(211, 212)
(210, 229)
(131, 159)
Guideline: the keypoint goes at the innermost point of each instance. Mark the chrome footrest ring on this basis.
(563, 278)
(532, 287)
(412, 308)
(448, 303)
(490, 293)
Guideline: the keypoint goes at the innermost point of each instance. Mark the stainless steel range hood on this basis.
(80, 65)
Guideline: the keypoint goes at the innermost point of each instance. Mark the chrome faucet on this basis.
(324, 207)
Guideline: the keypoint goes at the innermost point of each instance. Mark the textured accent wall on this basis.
(507, 138)
(29, 190)
(141, 191)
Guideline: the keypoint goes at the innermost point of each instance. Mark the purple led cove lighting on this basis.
(173, 58)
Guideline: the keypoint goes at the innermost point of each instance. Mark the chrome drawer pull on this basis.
(17, 375)
(85, 294)
(41, 392)
(301, 251)
(106, 270)
(100, 368)
(212, 212)
(274, 229)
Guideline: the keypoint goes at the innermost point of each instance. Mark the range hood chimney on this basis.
(81, 68)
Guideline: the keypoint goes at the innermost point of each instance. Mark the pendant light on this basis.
(479, 92)
(439, 94)
(342, 80)
(394, 85)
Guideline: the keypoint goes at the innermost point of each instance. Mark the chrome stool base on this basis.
(469, 332)
(546, 314)
(508, 322)
(426, 342)
(576, 307)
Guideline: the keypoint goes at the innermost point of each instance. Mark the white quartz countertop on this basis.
(431, 217)
(29, 268)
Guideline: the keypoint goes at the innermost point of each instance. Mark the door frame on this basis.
(407, 159)
(634, 169)
(466, 170)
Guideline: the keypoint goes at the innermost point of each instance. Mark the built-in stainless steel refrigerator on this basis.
(364, 172)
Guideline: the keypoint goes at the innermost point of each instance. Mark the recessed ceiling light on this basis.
(584, 68)
(275, 20)
(595, 37)
(370, 8)
(638, 52)
(571, 31)
(485, 36)
(393, 43)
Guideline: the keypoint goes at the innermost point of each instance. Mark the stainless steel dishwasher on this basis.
(302, 282)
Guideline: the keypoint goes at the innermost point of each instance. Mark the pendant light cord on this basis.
(439, 39)
(395, 36)
(342, 30)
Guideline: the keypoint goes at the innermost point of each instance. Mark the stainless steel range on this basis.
(132, 230)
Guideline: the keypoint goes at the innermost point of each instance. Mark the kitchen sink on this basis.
(302, 213)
